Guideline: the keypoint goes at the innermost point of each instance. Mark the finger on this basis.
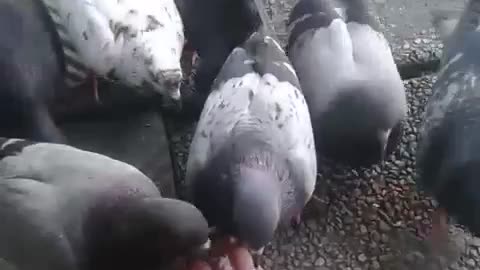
(240, 259)
(199, 265)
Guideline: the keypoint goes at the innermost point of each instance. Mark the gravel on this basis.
(373, 218)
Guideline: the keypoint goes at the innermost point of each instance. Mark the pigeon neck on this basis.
(253, 147)
(257, 206)
(262, 157)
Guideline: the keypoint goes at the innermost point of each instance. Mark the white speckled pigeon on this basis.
(346, 69)
(138, 42)
(252, 163)
(63, 208)
(448, 158)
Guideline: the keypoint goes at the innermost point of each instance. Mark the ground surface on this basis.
(373, 218)
(138, 139)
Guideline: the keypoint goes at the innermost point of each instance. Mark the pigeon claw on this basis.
(94, 81)
(296, 221)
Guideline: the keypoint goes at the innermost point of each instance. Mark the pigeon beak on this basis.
(196, 260)
(206, 245)
(175, 105)
(238, 253)
(256, 255)
(201, 252)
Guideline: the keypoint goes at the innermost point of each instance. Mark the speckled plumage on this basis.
(346, 69)
(255, 122)
(136, 42)
(448, 157)
(65, 208)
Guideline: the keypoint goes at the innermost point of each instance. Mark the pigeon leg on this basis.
(188, 58)
(94, 81)
(439, 233)
(316, 200)
(296, 221)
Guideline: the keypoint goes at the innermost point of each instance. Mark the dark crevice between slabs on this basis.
(411, 70)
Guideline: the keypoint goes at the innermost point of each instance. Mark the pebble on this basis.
(363, 229)
(384, 227)
(471, 262)
(475, 242)
(362, 258)
(320, 261)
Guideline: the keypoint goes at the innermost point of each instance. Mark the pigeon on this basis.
(352, 86)
(213, 29)
(30, 71)
(64, 208)
(136, 42)
(252, 162)
(448, 157)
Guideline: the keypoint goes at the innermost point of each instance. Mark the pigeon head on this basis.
(151, 51)
(256, 206)
(164, 53)
(155, 66)
(143, 233)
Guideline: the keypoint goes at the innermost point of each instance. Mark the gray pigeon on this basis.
(31, 71)
(346, 69)
(252, 162)
(448, 158)
(63, 208)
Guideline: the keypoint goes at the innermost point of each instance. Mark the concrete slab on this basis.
(136, 138)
